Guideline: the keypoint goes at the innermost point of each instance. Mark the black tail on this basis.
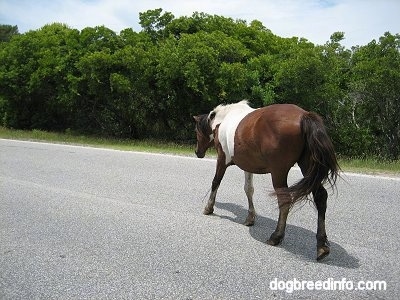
(320, 158)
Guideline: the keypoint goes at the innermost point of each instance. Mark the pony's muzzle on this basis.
(200, 154)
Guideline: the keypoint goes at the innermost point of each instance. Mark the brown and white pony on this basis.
(272, 139)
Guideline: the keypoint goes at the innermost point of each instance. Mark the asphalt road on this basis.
(89, 223)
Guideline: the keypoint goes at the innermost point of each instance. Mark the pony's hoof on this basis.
(249, 221)
(322, 252)
(208, 211)
(274, 240)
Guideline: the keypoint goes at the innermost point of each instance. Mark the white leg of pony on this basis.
(209, 209)
(249, 190)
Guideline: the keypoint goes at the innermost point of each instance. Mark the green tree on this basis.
(33, 78)
(299, 74)
(150, 83)
(154, 22)
(7, 32)
(349, 139)
(116, 86)
(99, 38)
(198, 71)
(374, 93)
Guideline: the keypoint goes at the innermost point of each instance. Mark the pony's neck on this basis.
(221, 111)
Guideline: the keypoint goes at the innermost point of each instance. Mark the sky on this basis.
(360, 20)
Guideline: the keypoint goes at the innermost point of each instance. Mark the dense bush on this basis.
(149, 83)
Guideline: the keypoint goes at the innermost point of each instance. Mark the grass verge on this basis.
(368, 165)
(148, 145)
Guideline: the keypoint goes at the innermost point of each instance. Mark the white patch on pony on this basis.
(222, 110)
(229, 117)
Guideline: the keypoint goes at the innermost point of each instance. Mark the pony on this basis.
(271, 140)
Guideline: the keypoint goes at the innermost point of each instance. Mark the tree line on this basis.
(148, 84)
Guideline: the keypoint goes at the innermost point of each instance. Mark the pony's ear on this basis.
(211, 115)
(196, 118)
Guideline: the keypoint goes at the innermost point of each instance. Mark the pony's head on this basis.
(204, 133)
(207, 123)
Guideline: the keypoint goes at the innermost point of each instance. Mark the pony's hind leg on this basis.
(320, 199)
(279, 182)
(320, 196)
(279, 233)
(249, 190)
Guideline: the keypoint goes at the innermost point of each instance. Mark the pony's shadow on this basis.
(298, 241)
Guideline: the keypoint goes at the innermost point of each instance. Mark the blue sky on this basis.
(361, 20)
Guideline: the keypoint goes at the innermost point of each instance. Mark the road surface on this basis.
(79, 222)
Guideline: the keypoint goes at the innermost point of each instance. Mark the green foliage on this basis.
(148, 84)
(300, 76)
(375, 77)
(154, 23)
(7, 32)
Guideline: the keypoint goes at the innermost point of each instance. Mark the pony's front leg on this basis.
(219, 174)
(249, 190)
